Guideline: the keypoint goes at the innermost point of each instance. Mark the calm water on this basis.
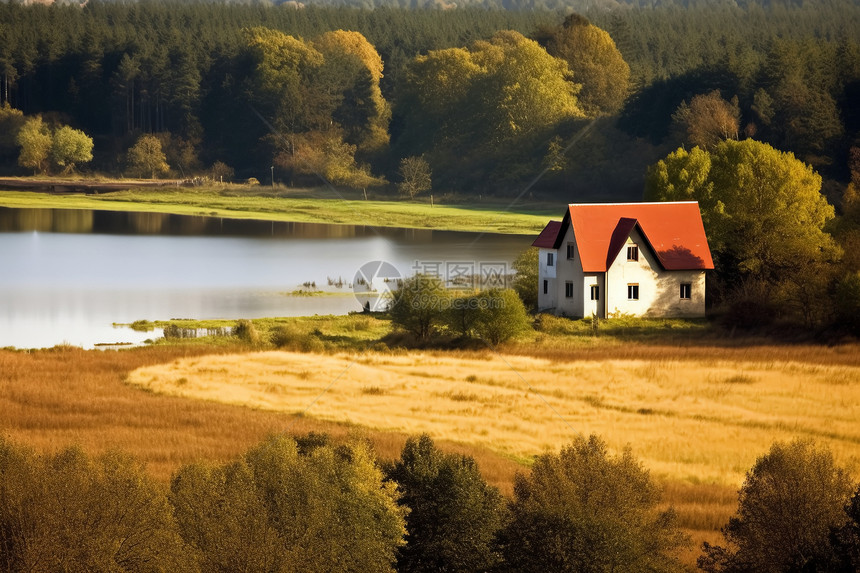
(68, 276)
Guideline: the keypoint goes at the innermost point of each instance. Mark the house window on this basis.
(571, 251)
(595, 292)
(550, 259)
(568, 289)
(633, 292)
(686, 291)
(632, 253)
(545, 287)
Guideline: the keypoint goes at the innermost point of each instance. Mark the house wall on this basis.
(659, 290)
(594, 307)
(569, 270)
(547, 273)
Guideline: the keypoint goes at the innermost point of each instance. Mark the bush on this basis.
(790, 501)
(501, 316)
(290, 337)
(247, 332)
(584, 510)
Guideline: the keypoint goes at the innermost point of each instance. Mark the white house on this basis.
(642, 259)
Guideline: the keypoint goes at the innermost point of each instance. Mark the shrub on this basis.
(246, 331)
(290, 337)
(501, 316)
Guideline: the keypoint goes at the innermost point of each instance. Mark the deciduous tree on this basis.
(146, 156)
(585, 510)
(282, 509)
(68, 512)
(595, 62)
(762, 208)
(453, 514)
(419, 305)
(790, 501)
(526, 277)
(34, 139)
(71, 147)
(501, 316)
(708, 119)
(415, 175)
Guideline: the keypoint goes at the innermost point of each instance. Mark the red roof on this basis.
(548, 236)
(673, 231)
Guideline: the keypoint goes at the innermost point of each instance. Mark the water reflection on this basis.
(125, 223)
(66, 276)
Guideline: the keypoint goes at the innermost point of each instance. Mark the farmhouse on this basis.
(641, 259)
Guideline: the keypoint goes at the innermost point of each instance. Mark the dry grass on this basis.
(695, 421)
(55, 398)
(697, 415)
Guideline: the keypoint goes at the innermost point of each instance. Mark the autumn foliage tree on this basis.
(790, 502)
(763, 210)
(595, 61)
(708, 119)
(288, 508)
(484, 107)
(71, 512)
(585, 510)
(146, 157)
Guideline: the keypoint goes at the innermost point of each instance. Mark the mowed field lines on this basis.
(694, 421)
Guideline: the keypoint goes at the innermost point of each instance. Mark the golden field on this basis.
(696, 411)
(695, 421)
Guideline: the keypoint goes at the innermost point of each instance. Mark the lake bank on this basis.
(301, 206)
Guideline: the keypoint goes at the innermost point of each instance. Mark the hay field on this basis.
(693, 421)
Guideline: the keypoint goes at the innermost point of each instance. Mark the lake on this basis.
(67, 276)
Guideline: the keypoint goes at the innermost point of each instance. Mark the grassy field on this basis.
(694, 421)
(312, 206)
(697, 407)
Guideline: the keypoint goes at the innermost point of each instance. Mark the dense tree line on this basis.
(307, 504)
(190, 73)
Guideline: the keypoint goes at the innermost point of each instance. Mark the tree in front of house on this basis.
(791, 501)
(526, 277)
(146, 157)
(584, 509)
(453, 513)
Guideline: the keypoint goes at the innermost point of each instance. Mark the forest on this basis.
(539, 100)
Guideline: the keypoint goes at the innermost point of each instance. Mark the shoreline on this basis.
(299, 206)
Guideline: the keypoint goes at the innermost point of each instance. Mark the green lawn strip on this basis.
(484, 217)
